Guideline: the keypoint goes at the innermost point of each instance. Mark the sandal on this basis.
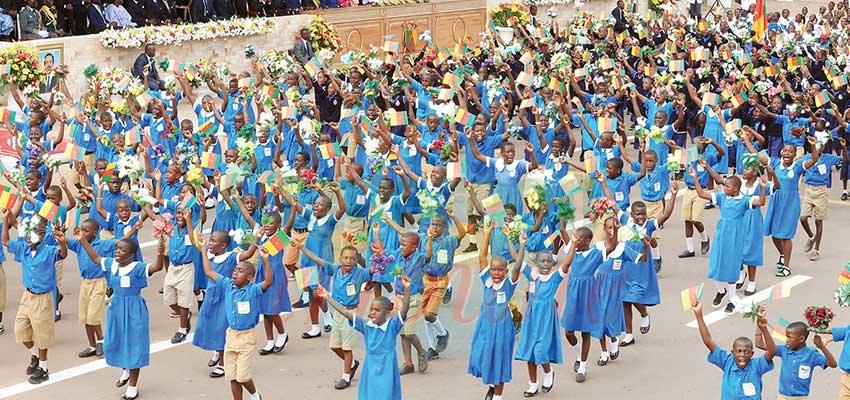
(782, 271)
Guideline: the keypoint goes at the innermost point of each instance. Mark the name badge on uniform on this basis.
(700, 168)
(618, 264)
(235, 106)
(411, 151)
(656, 186)
(86, 137)
(442, 257)
(125, 281)
(532, 287)
(501, 298)
(805, 372)
(618, 196)
(791, 173)
(243, 307)
(822, 169)
(127, 230)
(350, 290)
(749, 389)
(360, 200)
(512, 173)
(330, 163)
(268, 152)
(187, 240)
(160, 128)
(544, 230)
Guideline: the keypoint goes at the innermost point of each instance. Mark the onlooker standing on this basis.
(303, 49)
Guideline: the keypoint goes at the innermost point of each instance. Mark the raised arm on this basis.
(703, 329)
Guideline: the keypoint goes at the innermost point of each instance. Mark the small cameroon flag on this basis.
(276, 243)
(7, 198)
(209, 160)
(109, 172)
(778, 331)
(74, 152)
(690, 296)
(48, 210)
(330, 150)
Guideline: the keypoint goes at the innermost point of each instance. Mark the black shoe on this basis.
(212, 362)
(342, 384)
(178, 338)
(709, 206)
(299, 304)
(718, 299)
(645, 329)
(547, 389)
(98, 349)
(576, 365)
(354, 368)
(307, 335)
(580, 377)
(442, 342)
(686, 254)
(748, 293)
(447, 298)
(121, 382)
(627, 343)
(730, 309)
(57, 316)
(264, 351)
(431, 354)
(33, 365)
(59, 299)
(844, 196)
(277, 349)
(602, 361)
(328, 329)
(528, 394)
(217, 372)
(615, 355)
(471, 248)
(125, 397)
(109, 292)
(39, 376)
(705, 246)
(658, 265)
(490, 392)
(87, 352)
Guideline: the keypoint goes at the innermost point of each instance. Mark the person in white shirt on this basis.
(117, 16)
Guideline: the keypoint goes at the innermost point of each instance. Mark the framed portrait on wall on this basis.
(50, 55)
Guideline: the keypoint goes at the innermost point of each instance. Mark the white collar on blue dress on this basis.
(383, 326)
(618, 251)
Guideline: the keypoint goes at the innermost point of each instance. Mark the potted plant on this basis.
(507, 16)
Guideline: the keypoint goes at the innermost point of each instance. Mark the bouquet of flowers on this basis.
(141, 195)
(245, 147)
(353, 57)
(535, 196)
(243, 239)
(194, 176)
(129, 166)
(510, 15)
(628, 233)
(600, 208)
(268, 211)
(24, 66)
(209, 70)
(818, 318)
(749, 310)
(28, 226)
(381, 263)
(566, 209)
(308, 176)
(354, 238)
(120, 107)
(250, 51)
(842, 295)
(323, 35)
(428, 202)
(163, 227)
(278, 64)
(173, 35)
(515, 229)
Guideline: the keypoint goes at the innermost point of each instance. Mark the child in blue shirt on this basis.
(742, 373)
(798, 360)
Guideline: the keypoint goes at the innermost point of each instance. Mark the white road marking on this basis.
(760, 297)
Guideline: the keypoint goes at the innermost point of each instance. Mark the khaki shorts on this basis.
(814, 202)
(179, 285)
(844, 394)
(293, 254)
(692, 206)
(414, 315)
(239, 352)
(92, 301)
(342, 334)
(34, 321)
(654, 210)
(353, 225)
(482, 191)
(2, 288)
(432, 296)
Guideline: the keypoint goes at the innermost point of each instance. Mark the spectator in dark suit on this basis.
(97, 21)
(145, 60)
(203, 11)
(619, 14)
(79, 16)
(136, 8)
(157, 12)
(223, 10)
(303, 49)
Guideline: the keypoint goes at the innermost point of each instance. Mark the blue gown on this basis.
(493, 339)
(275, 299)
(754, 227)
(609, 286)
(380, 379)
(783, 210)
(580, 308)
(641, 278)
(211, 328)
(319, 241)
(389, 237)
(540, 339)
(127, 342)
(727, 254)
(507, 181)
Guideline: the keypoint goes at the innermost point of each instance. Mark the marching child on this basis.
(798, 360)
(579, 308)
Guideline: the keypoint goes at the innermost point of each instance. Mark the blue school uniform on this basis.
(225, 216)
(540, 339)
(275, 299)
(122, 228)
(127, 341)
(346, 286)
(753, 222)
(493, 339)
(380, 379)
(412, 266)
(714, 131)
(620, 187)
(641, 278)
(241, 305)
(442, 254)
(655, 184)
(211, 326)
(839, 334)
(727, 254)
(38, 268)
(88, 268)
(795, 375)
(783, 210)
(581, 304)
(507, 180)
(478, 172)
(388, 235)
(609, 288)
(319, 241)
(537, 240)
(548, 136)
(158, 132)
(739, 383)
(820, 174)
(441, 194)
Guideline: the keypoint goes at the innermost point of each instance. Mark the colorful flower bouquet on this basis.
(818, 318)
(566, 209)
(535, 197)
(163, 227)
(515, 229)
(600, 208)
(323, 35)
(354, 238)
(428, 203)
(173, 35)
(510, 15)
(842, 295)
(243, 239)
(23, 65)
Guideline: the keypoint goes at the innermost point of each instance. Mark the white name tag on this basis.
(235, 106)
(268, 152)
(791, 173)
(442, 257)
(544, 230)
(187, 240)
(160, 128)
(512, 174)
(127, 230)
(700, 168)
(86, 137)
(411, 152)
(243, 307)
(749, 389)
(360, 200)
(656, 186)
(805, 372)
(532, 287)
(501, 298)
(822, 169)
(618, 264)
(125, 281)
(618, 196)
(330, 163)
(350, 290)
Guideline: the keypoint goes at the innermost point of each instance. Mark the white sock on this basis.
(125, 374)
(532, 387)
(99, 341)
(751, 286)
(439, 329)
(182, 330)
(430, 335)
(34, 351)
(214, 356)
(615, 345)
(603, 355)
(255, 395)
(689, 242)
(703, 236)
(305, 297)
(497, 397)
(582, 367)
(131, 391)
(742, 275)
(281, 339)
(314, 330)
(548, 378)
(628, 338)
(327, 317)
(730, 288)
(644, 321)
(721, 287)
(347, 377)
(269, 345)
(42, 364)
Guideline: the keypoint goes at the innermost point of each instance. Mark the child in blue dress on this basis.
(211, 329)
(508, 170)
(784, 210)
(754, 227)
(798, 359)
(126, 343)
(580, 304)
(380, 378)
(742, 373)
(493, 339)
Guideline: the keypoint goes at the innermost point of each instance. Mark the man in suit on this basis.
(203, 11)
(97, 20)
(136, 10)
(303, 50)
(145, 60)
(619, 14)
(223, 10)
(157, 12)
(50, 79)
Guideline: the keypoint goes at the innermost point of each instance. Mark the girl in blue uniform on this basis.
(126, 343)
(754, 227)
(783, 212)
(580, 305)
(508, 171)
(211, 329)
(493, 340)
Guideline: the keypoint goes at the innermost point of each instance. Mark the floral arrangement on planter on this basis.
(176, 34)
(510, 15)
(23, 65)
(323, 35)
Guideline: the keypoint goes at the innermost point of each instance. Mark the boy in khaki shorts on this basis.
(34, 324)
(692, 204)
(815, 198)
(242, 309)
(413, 263)
(92, 287)
(439, 252)
(178, 290)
